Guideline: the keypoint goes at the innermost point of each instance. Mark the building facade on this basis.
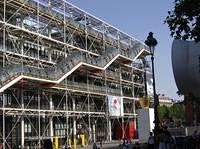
(64, 72)
(165, 100)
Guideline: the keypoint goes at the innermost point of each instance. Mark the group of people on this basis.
(164, 139)
(128, 145)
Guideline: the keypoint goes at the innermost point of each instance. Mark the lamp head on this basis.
(151, 42)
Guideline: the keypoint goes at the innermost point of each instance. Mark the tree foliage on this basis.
(163, 112)
(184, 20)
(176, 112)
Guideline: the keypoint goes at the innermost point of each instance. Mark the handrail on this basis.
(64, 66)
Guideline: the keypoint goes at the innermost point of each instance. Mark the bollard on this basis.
(75, 142)
(82, 140)
(69, 143)
(56, 142)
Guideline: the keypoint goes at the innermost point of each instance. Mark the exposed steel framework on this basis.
(58, 66)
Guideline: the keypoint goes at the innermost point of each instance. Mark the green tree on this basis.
(177, 111)
(163, 112)
(184, 20)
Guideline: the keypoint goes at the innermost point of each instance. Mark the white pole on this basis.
(22, 121)
(51, 119)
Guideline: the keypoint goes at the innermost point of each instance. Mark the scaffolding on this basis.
(58, 66)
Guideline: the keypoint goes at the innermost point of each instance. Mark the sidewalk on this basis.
(110, 145)
(104, 146)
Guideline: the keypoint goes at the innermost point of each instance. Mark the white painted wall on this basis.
(145, 123)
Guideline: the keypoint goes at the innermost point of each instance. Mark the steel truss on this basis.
(58, 66)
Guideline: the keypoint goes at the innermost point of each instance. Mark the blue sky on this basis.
(137, 18)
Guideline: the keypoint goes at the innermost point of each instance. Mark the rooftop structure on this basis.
(64, 72)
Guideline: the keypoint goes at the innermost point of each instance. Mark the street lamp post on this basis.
(152, 42)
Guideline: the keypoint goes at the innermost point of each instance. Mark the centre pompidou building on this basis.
(64, 72)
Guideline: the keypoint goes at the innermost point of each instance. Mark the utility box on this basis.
(145, 123)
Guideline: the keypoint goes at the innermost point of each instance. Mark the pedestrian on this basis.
(124, 145)
(94, 146)
(101, 144)
(165, 139)
(151, 141)
(48, 144)
(136, 146)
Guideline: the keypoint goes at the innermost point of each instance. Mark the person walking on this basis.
(48, 144)
(165, 139)
(95, 146)
(151, 141)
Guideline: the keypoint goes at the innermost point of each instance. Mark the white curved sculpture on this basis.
(186, 66)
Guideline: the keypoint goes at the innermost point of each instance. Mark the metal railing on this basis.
(64, 65)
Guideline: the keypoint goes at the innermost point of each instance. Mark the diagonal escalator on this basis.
(11, 74)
